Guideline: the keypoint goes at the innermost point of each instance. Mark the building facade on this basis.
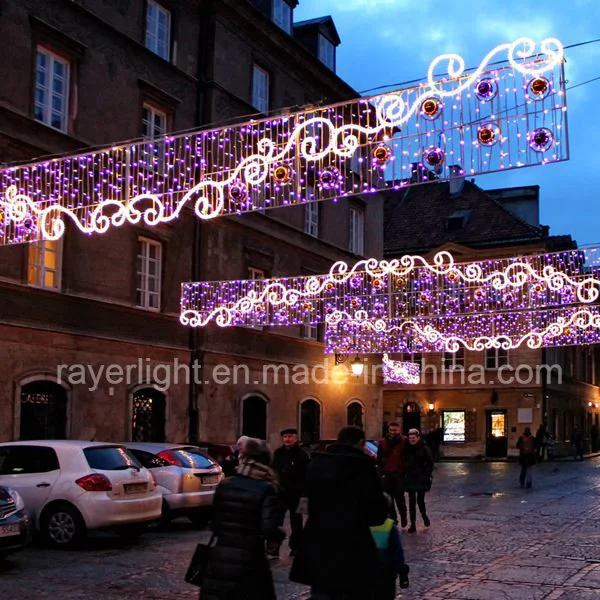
(91, 344)
(484, 400)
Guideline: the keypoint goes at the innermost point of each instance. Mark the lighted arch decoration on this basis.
(315, 154)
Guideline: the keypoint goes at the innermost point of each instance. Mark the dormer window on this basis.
(326, 52)
(457, 220)
(282, 15)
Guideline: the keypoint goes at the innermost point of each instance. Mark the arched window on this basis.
(43, 411)
(355, 414)
(254, 417)
(148, 415)
(310, 421)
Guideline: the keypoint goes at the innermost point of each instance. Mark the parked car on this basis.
(15, 524)
(225, 455)
(71, 486)
(186, 477)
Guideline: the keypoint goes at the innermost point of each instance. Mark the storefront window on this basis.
(454, 426)
(498, 425)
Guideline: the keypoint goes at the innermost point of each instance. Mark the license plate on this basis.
(210, 479)
(134, 488)
(9, 530)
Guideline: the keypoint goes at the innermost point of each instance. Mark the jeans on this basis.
(526, 476)
(414, 499)
(393, 485)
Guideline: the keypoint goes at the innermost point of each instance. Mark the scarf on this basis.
(255, 470)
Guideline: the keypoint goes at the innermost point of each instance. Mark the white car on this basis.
(186, 476)
(71, 486)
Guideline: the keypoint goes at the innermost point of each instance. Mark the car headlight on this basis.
(19, 504)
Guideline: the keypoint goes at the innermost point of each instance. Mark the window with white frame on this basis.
(326, 52)
(454, 360)
(51, 103)
(282, 15)
(154, 126)
(44, 264)
(149, 266)
(311, 219)
(260, 89)
(495, 358)
(158, 29)
(357, 231)
(310, 332)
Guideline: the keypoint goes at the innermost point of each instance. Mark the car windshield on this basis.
(192, 458)
(149, 460)
(110, 458)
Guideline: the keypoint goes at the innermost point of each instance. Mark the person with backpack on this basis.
(526, 446)
(391, 556)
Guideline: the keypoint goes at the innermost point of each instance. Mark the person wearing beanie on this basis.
(290, 462)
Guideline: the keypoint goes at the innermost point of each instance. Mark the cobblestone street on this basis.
(489, 539)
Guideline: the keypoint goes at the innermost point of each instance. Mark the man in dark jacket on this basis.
(390, 460)
(337, 555)
(290, 462)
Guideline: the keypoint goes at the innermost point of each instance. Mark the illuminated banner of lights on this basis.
(408, 288)
(488, 119)
(572, 326)
(398, 371)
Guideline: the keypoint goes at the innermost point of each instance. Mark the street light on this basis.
(357, 366)
(431, 407)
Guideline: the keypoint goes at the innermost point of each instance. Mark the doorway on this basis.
(496, 444)
(411, 417)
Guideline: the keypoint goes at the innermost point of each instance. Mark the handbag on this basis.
(200, 559)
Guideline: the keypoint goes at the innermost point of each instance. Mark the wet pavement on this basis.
(489, 539)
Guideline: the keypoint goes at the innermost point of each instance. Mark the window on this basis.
(413, 357)
(254, 417)
(357, 231)
(51, 104)
(454, 360)
(148, 415)
(495, 358)
(260, 89)
(154, 125)
(454, 424)
(311, 219)
(44, 264)
(43, 411)
(310, 421)
(23, 460)
(282, 15)
(158, 29)
(148, 460)
(310, 332)
(149, 263)
(354, 414)
(109, 458)
(326, 52)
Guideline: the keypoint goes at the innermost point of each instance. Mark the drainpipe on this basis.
(203, 115)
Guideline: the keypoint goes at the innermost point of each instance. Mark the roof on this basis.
(61, 443)
(327, 22)
(416, 219)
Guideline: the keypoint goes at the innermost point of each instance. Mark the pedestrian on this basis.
(577, 443)
(290, 462)
(245, 516)
(391, 563)
(541, 440)
(418, 475)
(337, 555)
(594, 437)
(390, 460)
(526, 446)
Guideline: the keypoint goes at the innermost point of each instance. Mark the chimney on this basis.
(457, 180)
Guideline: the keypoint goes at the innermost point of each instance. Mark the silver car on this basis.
(185, 475)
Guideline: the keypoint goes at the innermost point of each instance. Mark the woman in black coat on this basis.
(417, 477)
(246, 515)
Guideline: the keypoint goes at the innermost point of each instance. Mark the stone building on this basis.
(485, 399)
(90, 342)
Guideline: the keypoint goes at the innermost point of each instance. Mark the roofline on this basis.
(494, 243)
(320, 20)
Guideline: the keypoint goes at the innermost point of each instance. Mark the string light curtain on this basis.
(468, 123)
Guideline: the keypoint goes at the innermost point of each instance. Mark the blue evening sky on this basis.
(390, 41)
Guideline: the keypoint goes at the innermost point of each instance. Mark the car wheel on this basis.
(62, 526)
